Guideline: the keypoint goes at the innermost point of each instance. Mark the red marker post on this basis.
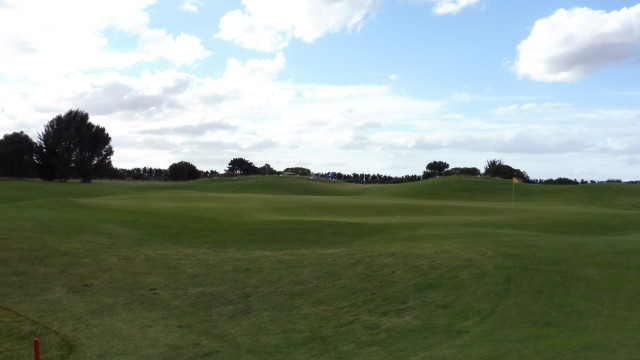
(36, 348)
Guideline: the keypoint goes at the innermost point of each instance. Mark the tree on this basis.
(209, 174)
(462, 171)
(496, 168)
(560, 181)
(54, 150)
(93, 147)
(267, 170)
(183, 171)
(17, 156)
(300, 171)
(70, 144)
(240, 166)
(492, 166)
(437, 167)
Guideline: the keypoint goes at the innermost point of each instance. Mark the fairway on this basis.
(292, 268)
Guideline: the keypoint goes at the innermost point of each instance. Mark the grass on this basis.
(289, 268)
(18, 332)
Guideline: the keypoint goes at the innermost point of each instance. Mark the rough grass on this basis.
(288, 268)
(18, 332)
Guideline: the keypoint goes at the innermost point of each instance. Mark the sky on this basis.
(551, 87)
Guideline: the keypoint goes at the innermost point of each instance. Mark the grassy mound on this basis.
(290, 268)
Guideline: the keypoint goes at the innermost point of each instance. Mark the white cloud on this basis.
(445, 7)
(43, 39)
(531, 109)
(157, 118)
(245, 112)
(528, 140)
(270, 25)
(191, 5)
(182, 50)
(449, 7)
(571, 44)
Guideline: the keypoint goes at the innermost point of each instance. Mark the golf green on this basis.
(292, 268)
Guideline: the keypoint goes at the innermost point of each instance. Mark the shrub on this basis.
(183, 171)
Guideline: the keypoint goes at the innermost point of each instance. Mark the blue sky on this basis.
(550, 87)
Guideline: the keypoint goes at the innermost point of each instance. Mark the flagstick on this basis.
(513, 203)
(36, 349)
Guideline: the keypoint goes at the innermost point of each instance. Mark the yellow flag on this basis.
(516, 180)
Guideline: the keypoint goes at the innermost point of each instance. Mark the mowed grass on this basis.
(290, 268)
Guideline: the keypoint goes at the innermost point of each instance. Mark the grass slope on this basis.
(288, 268)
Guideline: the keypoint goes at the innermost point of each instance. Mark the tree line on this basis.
(70, 146)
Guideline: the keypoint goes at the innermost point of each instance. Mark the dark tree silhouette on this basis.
(93, 151)
(496, 168)
(183, 171)
(17, 156)
(240, 166)
(267, 170)
(437, 167)
(54, 150)
(70, 144)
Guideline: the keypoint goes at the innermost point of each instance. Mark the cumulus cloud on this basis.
(449, 7)
(156, 118)
(571, 44)
(110, 93)
(41, 39)
(183, 49)
(246, 111)
(270, 25)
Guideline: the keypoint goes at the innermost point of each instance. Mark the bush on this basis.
(300, 171)
(497, 169)
(183, 171)
(462, 171)
(17, 156)
(560, 181)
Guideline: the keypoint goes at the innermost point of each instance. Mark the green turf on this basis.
(290, 268)
(17, 335)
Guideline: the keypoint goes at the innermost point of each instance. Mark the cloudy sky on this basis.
(550, 87)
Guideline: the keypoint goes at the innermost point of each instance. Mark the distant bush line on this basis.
(71, 147)
(241, 166)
